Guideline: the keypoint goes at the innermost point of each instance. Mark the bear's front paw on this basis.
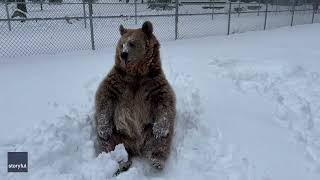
(123, 166)
(157, 163)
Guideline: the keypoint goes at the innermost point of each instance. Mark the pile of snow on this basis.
(63, 149)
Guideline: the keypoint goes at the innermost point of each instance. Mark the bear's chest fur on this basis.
(132, 113)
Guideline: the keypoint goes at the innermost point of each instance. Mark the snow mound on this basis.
(290, 86)
(63, 149)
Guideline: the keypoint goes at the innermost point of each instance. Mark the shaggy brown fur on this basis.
(135, 104)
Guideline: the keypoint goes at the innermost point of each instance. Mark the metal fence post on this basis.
(265, 16)
(239, 6)
(135, 12)
(8, 16)
(313, 12)
(212, 1)
(293, 9)
(84, 14)
(229, 17)
(91, 24)
(176, 20)
(259, 8)
(41, 3)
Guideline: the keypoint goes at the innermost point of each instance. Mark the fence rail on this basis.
(68, 26)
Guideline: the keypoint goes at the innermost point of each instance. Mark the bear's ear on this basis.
(122, 30)
(147, 28)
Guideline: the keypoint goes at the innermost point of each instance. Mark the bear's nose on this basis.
(124, 55)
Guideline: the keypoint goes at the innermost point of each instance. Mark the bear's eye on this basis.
(131, 44)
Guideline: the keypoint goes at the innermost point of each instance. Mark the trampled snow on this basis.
(248, 109)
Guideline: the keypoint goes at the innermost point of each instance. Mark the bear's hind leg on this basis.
(157, 150)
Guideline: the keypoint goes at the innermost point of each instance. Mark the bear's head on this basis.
(137, 50)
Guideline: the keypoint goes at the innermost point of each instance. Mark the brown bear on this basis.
(135, 104)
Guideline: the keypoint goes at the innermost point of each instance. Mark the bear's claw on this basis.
(123, 166)
(157, 163)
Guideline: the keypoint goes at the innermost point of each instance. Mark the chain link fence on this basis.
(56, 26)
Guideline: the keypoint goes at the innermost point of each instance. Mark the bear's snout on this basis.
(124, 56)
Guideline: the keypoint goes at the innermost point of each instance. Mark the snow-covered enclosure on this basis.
(248, 109)
(49, 36)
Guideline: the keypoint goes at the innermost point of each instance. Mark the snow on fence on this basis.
(57, 26)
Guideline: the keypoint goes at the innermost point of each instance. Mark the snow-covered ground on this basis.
(248, 109)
